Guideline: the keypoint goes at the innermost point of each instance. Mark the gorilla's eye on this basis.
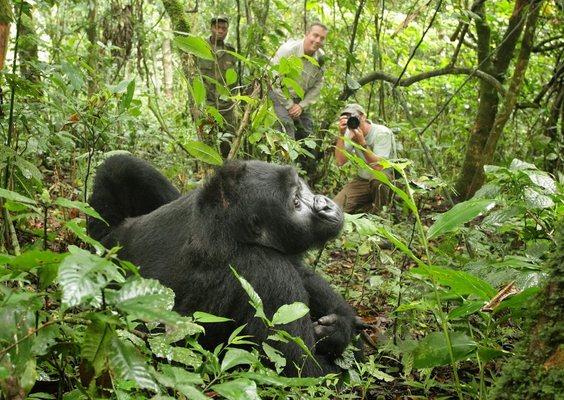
(297, 202)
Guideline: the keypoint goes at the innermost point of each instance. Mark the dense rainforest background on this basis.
(459, 278)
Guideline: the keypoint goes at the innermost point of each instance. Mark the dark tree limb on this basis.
(449, 70)
(461, 38)
(544, 46)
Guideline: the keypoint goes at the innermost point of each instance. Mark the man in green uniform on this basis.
(214, 71)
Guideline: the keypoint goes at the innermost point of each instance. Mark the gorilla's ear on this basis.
(221, 188)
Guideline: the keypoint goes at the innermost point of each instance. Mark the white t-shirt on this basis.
(380, 140)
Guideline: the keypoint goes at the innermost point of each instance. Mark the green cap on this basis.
(219, 18)
(353, 108)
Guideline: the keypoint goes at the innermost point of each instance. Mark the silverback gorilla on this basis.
(257, 217)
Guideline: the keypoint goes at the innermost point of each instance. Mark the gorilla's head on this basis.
(269, 205)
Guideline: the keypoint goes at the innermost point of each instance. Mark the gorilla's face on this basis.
(269, 205)
(286, 214)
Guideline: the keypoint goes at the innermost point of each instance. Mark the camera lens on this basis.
(353, 122)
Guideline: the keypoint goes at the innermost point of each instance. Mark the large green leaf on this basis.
(466, 309)
(82, 276)
(288, 82)
(35, 258)
(127, 363)
(239, 389)
(230, 76)
(235, 357)
(255, 299)
(198, 90)
(9, 195)
(96, 344)
(147, 300)
(200, 316)
(275, 356)
(80, 232)
(84, 207)
(289, 312)
(458, 215)
(125, 100)
(462, 283)
(27, 169)
(194, 45)
(16, 321)
(534, 199)
(275, 380)
(203, 152)
(432, 351)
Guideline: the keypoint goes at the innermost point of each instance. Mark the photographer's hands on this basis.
(356, 134)
(343, 124)
(358, 137)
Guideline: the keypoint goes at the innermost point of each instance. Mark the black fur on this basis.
(245, 216)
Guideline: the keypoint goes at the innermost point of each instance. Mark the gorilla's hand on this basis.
(333, 333)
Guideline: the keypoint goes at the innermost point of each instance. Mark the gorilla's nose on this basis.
(325, 208)
(322, 203)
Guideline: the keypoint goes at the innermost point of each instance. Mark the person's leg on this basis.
(380, 194)
(304, 125)
(286, 123)
(354, 195)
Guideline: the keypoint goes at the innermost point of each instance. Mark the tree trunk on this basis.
(5, 19)
(554, 125)
(179, 22)
(510, 99)
(472, 174)
(167, 68)
(27, 48)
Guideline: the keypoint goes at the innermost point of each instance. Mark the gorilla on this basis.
(258, 218)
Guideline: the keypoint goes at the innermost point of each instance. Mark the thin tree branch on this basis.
(353, 36)
(440, 2)
(244, 123)
(542, 46)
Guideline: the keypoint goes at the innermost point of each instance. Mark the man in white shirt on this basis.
(293, 112)
(363, 193)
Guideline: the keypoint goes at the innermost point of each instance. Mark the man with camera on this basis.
(363, 193)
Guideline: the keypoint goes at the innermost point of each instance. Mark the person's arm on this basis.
(312, 95)
(340, 157)
(371, 158)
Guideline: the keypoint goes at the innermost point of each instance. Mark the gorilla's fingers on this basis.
(323, 331)
(360, 324)
(328, 319)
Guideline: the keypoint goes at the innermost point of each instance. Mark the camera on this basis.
(353, 122)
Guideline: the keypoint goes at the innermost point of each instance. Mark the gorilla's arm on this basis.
(335, 319)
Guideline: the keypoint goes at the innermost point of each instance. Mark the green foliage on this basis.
(423, 273)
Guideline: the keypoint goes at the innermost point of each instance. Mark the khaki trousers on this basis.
(362, 195)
